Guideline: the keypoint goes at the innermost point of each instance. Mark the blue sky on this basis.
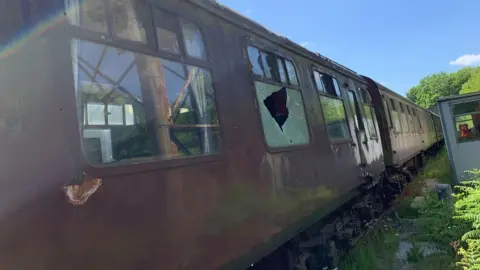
(396, 42)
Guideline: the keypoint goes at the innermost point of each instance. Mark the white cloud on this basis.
(248, 11)
(467, 60)
(304, 44)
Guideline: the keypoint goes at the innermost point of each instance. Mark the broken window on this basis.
(335, 118)
(326, 83)
(139, 106)
(283, 115)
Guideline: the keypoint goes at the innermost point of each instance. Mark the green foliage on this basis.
(437, 223)
(431, 87)
(414, 254)
(467, 211)
(375, 251)
(472, 85)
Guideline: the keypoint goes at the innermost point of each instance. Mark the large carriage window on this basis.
(467, 120)
(332, 106)
(280, 103)
(138, 106)
(335, 118)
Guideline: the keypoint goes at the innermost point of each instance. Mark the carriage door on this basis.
(359, 128)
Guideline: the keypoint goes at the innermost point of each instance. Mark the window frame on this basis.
(369, 103)
(454, 116)
(250, 42)
(319, 93)
(265, 49)
(150, 49)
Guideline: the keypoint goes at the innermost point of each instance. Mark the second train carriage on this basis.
(214, 140)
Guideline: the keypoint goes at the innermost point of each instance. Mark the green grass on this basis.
(375, 251)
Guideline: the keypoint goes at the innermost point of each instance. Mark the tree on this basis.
(430, 89)
(441, 84)
(473, 84)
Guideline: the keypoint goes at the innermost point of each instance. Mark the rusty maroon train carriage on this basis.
(180, 135)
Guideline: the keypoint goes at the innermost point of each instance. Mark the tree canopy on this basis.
(431, 87)
(472, 85)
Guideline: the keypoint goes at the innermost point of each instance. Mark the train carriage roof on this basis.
(256, 28)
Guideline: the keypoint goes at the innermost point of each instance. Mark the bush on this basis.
(467, 211)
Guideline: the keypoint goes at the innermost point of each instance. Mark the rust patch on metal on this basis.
(78, 194)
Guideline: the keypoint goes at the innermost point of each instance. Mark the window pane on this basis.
(89, 14)
(329, 84)
(162, 101)
(396, 121)
(254, 57)
(166, 25)
(318, 81)
(357, 116)
(193, 41)
(283, 115)
(336, 87)
(129, 116)
(115, 114)
(387, 113)
(126, 16)
(369, 118)
(404, 121)
(292, 74)
(281, 70)
(335, 118)
(466, 107)
(269, 66)
(96, 114)
(393, 105)
(468, 127)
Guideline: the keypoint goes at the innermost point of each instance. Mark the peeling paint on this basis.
(78, 194)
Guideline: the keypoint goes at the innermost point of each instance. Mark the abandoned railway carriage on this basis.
(181, 135)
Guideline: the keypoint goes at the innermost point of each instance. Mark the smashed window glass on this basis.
(335, 118)
(283, 115)
(139, 107)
